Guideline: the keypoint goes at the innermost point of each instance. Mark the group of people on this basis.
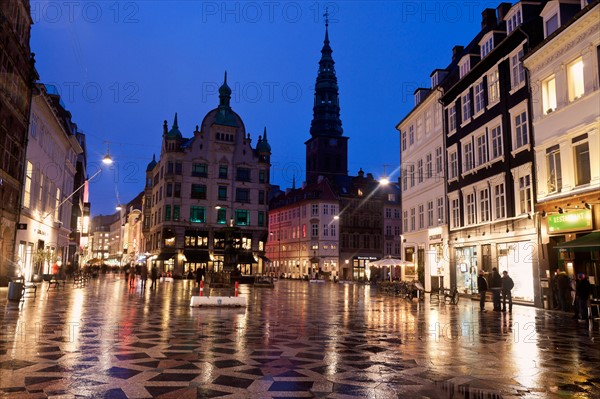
(142, 271)
(570, 294)
(501, 287)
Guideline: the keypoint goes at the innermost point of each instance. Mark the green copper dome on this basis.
(152, 164)
(174, 132)
(263, 146)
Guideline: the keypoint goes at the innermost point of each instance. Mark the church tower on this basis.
(327, 149)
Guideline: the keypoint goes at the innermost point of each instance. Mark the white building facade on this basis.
(422, 154)
(566, 120)
(44, 226)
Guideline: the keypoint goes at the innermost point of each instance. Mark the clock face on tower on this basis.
(332, 142)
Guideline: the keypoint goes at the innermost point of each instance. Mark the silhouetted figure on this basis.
(482, 287)
(496, 288)
(507, 286)
(153, 276)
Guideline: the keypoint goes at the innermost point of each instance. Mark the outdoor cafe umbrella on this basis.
(390, 262)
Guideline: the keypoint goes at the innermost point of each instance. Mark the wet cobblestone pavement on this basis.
(296, 340)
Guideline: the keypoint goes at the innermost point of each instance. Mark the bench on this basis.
(53, 280)
(29, 288)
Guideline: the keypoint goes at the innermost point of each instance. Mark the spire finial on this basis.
(326, 15)
(265, 134)
(294, 182)
(175, 121)
(225, 79)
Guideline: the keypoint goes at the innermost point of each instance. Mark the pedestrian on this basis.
(507, 286)
(127, 270)
(198, 276)
(132, 277)
(582, 296)
(496, 288)
(55, 270)
(563, 291)
(482, 287)
(202, 273)
(144, 275)
(153, 276)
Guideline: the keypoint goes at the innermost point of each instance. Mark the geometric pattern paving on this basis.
(297, 340)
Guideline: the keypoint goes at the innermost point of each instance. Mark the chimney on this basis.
(488, 19)
(503, 10)
(456, 52)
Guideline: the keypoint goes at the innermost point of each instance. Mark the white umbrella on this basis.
(390, 262)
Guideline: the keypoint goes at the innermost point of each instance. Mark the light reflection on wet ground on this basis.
(296, 340)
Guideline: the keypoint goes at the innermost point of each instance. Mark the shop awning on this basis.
(588, 242)
(264, 258)
(165, 255)
(245, 258)
(196, 256)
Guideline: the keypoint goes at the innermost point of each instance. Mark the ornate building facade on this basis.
(206, 197)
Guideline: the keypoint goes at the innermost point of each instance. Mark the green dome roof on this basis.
(263, 145)
(152, 164)
(174, 132)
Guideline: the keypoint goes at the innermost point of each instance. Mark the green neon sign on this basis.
(570, 221)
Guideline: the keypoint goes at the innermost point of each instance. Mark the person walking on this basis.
(127, 270)
(144, 275)
(496, 287)
(198, 276)
(507, 286)
(482, 287)
(153, 276)
(563, 291)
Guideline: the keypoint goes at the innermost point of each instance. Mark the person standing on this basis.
(153, 276)
(198, 276)
(482, 287)
(144, 275)
(496, 287)
(563, 291)
(582, 296)
(507, 286)
(127, 270)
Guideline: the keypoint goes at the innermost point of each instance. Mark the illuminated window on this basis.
(525, 194)
(548, 95)
(197, 214)
(27, 191)
(499, 202)
(575, 79)
(493, 86)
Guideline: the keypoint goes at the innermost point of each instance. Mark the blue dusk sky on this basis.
(124, 67)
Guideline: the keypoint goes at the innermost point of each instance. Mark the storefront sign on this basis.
(435, 233)
(570, 221)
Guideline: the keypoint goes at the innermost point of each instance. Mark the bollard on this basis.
(237, 284)
(201, 287)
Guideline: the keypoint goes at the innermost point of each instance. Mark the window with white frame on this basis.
(439, 161)
(440, 210)
(575, 79)
(479, 97)
(429, 165)
(525, 194)
(513, 20)
(411, 135)
(421, 216)
(413, 215)
(517, 72)
(521, 131)
(484, 205)
(27, 190)
(551, 24)
(468, 155)
(548, 95)
(497, 146)
(554, 171)
(405, 220)
(482, 149)
(486, 46)
(315, 210)
(428, 120)
(404, 141)
(454, 206)
(420, 171)
(466, 107)
(388, 213)
(470, 200)
(453, 165)
(452, 118)
(581, 154)
(493, 79)
(464, 66)
(404, 179)
(499, 201)
(411, 174)
(429, 213)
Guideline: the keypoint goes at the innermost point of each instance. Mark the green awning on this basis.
(588, 242)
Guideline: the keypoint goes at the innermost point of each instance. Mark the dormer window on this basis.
(513, 19)
(551, 25)
(464, 66)
(486, 45)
